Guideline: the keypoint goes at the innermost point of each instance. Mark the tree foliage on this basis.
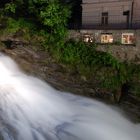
(49, 15)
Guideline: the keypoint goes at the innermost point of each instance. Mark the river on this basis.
(30, 109)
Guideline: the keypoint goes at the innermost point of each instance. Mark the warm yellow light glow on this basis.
(88, 38)
(128, 38)
(106, 38)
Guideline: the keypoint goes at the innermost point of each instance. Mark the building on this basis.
(111, 14)
(136, 14)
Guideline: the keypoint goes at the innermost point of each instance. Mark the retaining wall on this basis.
(121, 51)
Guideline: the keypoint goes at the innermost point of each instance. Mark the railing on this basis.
(109, 26)
(136, 24)
(114, 22)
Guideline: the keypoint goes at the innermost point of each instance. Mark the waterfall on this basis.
(30, 109)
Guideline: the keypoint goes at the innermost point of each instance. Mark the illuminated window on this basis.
(128, 38)
(88, 38)
(106, 38)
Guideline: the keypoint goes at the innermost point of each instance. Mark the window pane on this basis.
(104, 20)
(88, 38)
(105, 14)
(128, 38)
(106, 38)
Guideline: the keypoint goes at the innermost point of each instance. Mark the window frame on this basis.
(104, 18)
(107, 39)
(128, 42)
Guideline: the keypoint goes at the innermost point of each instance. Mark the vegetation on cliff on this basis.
(45, 22)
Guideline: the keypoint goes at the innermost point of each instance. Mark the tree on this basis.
(51, 15)
(55, 16)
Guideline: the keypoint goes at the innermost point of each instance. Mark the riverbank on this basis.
(35, 61)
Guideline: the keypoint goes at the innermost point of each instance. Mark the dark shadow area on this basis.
(8, 43)
(124, 91)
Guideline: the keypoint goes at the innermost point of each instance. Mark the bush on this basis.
(111, 73)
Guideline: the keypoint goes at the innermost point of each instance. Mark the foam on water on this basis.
(32, 110)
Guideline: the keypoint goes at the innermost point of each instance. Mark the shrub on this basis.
(49, 15)
(111, 73)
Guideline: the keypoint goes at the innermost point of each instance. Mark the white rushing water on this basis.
(32, 110)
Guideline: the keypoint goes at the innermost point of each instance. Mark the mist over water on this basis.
(32, 110)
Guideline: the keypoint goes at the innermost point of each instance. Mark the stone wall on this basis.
(121, 51)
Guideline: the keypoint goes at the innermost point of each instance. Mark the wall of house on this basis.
(122, 52)
(92, 12)
(136, 13)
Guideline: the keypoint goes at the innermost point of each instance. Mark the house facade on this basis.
(136, 14)
(111, 13)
